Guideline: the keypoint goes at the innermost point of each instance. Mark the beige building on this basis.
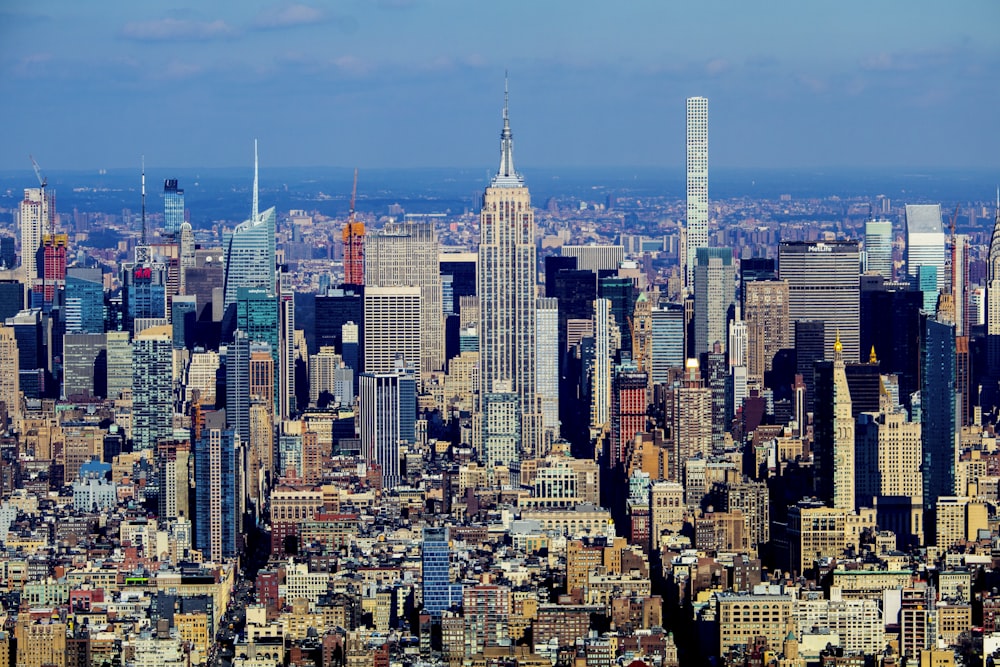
(959, 518)
(666, 510)
(765, 310)
(10, 387)
(744, 617)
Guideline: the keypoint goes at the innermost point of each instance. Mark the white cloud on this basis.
(177, 30)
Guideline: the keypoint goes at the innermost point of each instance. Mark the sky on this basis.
(419, 83)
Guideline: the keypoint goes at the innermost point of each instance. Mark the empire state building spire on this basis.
(506, 176)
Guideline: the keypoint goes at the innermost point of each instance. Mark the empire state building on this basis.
(507, 302)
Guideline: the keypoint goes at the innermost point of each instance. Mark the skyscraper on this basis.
(547, 362)
(600, 392)
(878, 247)
(10, 388)
(506, 276)
(387, 406)
(765, 310)
(248, 250)
(439, 592)
(628, 412)
(392, 328)
(668, 340)
(406, 255)
(258, 313)
(925, 241)
(36, 216)
(218, 494)
(937, 409)
(833, 460)
(993, 295)
(501, 431)
(714, 295)
(823, 284)
(173, 207)
(697, 181)
(152, 387)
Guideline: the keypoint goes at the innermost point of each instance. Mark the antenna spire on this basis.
(254, 211)
(143, 200)
(506, 176)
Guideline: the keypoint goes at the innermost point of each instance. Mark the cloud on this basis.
(177, 30)
(287, 15)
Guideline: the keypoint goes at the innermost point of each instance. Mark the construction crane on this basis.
(46, 212)
(354, 243)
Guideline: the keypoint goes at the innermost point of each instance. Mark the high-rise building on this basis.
(248, 250)
(594, 257)
(334, 308)
(144, 294)
(238, 385)
(353, 235)
(547, 362)
(765, 310)
(937, 409)
(697, 182)
(152, 387)
(507, 292)
(187, 254)
(387, 407)
(833, 448)
(85, 367)
(714, 296)
(688, 411)
(890, 323)
(52, 274)
(392, 328)
(628, 412)
(925, 241)
(668, 341)
(605, 331)
(406, 255)
(993, 296)
(823, 279)
(173, 472)
(10, 388)
(37, 213)
(621, 292)
(287, 402)
(461, 267)
(84, 297)
(258, 313)
(878, 248)
(173, 207)
(218, 490)
(501, 431)
(8, 255)
(642, 334)
(439, 591)
(119, 351)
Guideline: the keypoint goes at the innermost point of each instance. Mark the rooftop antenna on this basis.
(254, 211)
(143, 200)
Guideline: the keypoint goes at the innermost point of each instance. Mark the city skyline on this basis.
(348, 86)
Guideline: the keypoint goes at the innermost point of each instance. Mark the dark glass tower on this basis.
(937, 410)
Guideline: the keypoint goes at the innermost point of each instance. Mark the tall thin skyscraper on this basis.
(937, 409)
(878, 247)
(714, 295)
(173, 207)
(392, 328)
(668, 340)
(218, 490)
(697, 181)
(833, 463)
(600, 392)
(507, 292)
(10, 388)
(993, 295)
(36, 218)
(248, 250)
(547, 362)
(387, 411)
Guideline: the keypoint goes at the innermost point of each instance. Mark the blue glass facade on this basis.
(937, 409)
(84, 305)
(258, 315)
(217, 493)
(439, 592)
(173, 206)
(249, 256)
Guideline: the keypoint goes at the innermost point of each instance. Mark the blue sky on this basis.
(410, 83)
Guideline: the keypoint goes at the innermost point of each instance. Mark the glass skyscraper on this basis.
(258, 314)
(173, 207)
(937, 409)
(84, 301)
(439, 592)
(248, 251)
(152, 386)
(217, 490)
(387, 406)
(668, 340)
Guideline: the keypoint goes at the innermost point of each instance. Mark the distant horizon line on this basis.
(10, 171)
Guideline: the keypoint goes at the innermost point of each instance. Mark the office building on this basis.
(890, 324)
(10, 387)
(621, 292)
(668, 341)
(993, 297)
(144, 293)
(688, 411)
(596, 258)
(878, 248)
(258, 314)
(353, 236)
(765, 311)
(547, 362)
(937, 409)
(696, 229)
(833, 429)
(152, 387)
(461, 268)
(501, 431)
(507, 295)
(605, 332)
(440, 594)
(183, 319)
(218, 493)
(173, 460)
(11, 298)
(186, 251)
(642, 334)
(52, 272)
(823, 279)
(248, 250)
(392, 328)
(925, 242)
(173, 207)
(334, 309)
(119, 354)
(387, 408)
(84, 366)
(406, 255)
(237, 360)
(286, 353)
(8, 256)
(628, 412)
(84, 298)
(714, 297)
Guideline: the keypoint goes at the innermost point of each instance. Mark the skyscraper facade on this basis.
(833, 460)
(249, 250)
(173, 207)
(925, 241)
(406, 255)
(993, 296)
(10, 388)
(439, 592)
(823, 285)
(547, 362)
(765, 310)
(218, 492)
(387, 406)
(258, 314)
(600, 390)
(37, 213)
(501, 431)
(937, 409)
(697, 181)
(714, 296)
(152, 387)
(668, 340)
(392, 328)
(878, 248)
(507, 293)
